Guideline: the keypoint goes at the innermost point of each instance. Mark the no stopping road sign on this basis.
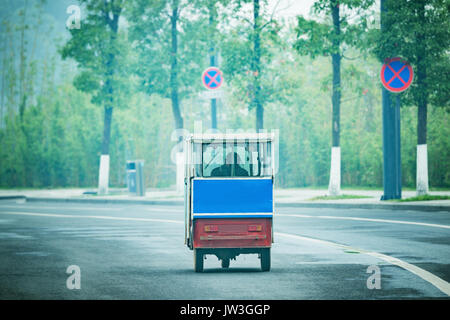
(212, 78)
(396, 75)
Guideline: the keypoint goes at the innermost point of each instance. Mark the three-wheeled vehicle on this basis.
(229, 196)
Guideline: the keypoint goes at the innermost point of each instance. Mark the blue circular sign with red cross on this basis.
(212, 78)
(396, 74)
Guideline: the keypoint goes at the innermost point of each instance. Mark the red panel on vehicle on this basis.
(232, 233)
(232, 228)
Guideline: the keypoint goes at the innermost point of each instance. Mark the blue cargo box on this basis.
(232, 198)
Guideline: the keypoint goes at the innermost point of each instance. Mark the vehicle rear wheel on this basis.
(198, 260)
(226, 263)
(265, 259)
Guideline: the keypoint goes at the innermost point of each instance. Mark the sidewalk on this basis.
(301, 197)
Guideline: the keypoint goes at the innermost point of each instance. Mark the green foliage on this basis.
(419, 32)
(317, 38)
(313, 38)
(246, 61)
(56, 141)
(100, 48)
(438, 146)
(341, 197)
(150, 34)
(56, 145)
(425, 197)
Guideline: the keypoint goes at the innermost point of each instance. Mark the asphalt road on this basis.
(138, 252)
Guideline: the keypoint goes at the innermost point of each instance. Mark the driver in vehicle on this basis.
(230, 168)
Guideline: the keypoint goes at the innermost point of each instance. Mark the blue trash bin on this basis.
(131, 176)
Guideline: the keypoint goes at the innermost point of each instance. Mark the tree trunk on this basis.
(422, 103)
(336, 100)
(421, 82)
(257, 67)
(334, 187)
(212, 60)
(2, 101)
(174, 96)
(336, 62)
(107, 129)
(103, 176)
(174, 69)
(422, 117)
(22, 66)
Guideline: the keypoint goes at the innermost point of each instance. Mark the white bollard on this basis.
(422, 170)
(103, 175)
(334, 187)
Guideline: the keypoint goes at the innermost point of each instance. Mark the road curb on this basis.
(387, 206)
(12, 197)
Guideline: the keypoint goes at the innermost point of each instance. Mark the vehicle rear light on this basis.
(211, 228)
(255, 228)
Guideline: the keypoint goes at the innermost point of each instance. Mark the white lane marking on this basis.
(439, 283)
(367, 219)
(147, 208)
(159, 209)
(31, 207)
(91, 217)
(113, 232)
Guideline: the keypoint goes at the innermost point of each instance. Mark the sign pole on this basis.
(213, 60)
(391, 148)
(391, 129)
(398, 158)
(213, 100)
(212, 80)
(396, 76)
